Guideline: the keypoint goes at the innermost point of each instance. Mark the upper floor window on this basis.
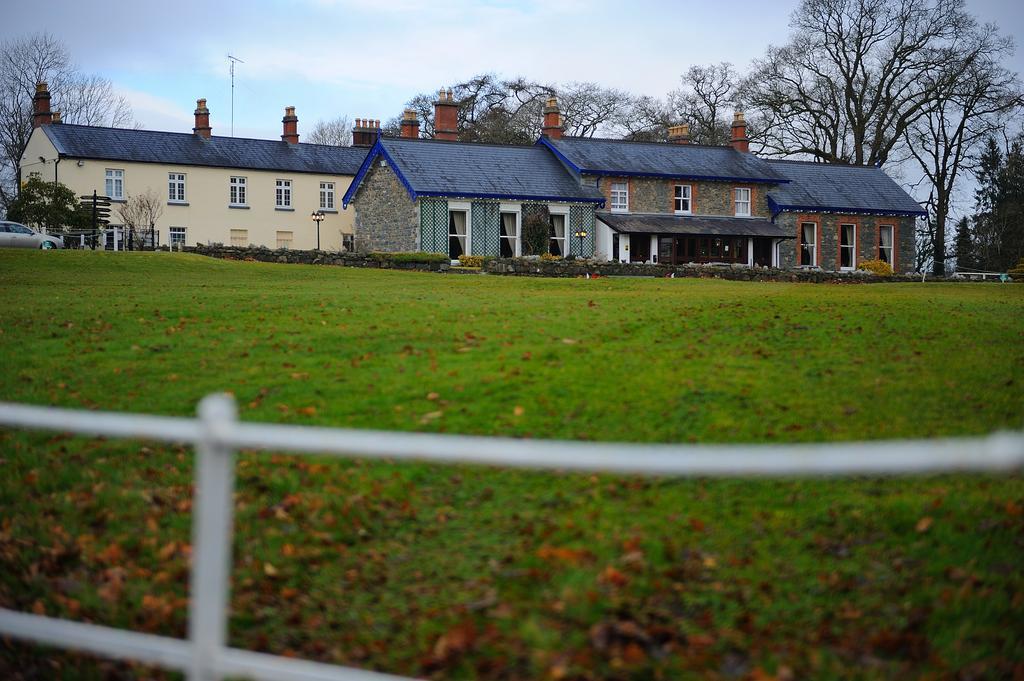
(114, 184)
(682, 200)
(176, 187)
(742, 201)
(885, 239)
(284, 194)
(326, 196)
(238, 187)
(620, 196)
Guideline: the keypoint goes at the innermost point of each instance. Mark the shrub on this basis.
(547, 257)
(472, 260)
(1017, 271)
(879, 267)
(425, 258)
(535, 234)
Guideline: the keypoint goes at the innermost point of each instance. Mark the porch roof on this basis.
(648, 223)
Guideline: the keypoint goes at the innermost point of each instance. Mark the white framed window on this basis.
(176, 236)
(510, 244)
(114, 183)
(847, 246)
(238, 192)
(808, 244)
(283, 196)
(348, 242)
(284, 239)
(620, 197)
(240, 237)
(556, 234)
(176, 187)
(682, 199)
(886, 235)
(743, 201)
(326, 196)
(458, 233)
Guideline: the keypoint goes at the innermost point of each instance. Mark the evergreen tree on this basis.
(50, 207)
(999, 207)
(964, 246)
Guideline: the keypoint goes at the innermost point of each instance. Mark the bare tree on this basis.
(589, 108)
(82, 99)
(336, 132)
(140, 212)
(854, 76)
(645, 119)
(704, 101)
(974, 96)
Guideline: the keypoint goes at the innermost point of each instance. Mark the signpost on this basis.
(100, 211)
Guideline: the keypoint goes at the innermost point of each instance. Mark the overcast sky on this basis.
(366, 58)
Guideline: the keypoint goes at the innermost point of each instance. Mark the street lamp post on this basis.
(318, 217)
(580, 234)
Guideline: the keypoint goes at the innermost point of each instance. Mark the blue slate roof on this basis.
(178, 148)
(473, 170)
(659, 159)
(717, 225)
(839, 189)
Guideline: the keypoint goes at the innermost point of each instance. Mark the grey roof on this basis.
(178, 148)
(659, 159)
(440, 168)
(839, 189)
(659, 223)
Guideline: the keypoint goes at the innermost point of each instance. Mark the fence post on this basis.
(212, 511)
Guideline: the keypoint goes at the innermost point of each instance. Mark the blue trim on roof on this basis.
(520, 197)
(777, 208)
(544, 142)
(375, 151)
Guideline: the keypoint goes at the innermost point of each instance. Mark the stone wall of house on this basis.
(867, 239)
(657, 195)
(386, 219)
(535, 267)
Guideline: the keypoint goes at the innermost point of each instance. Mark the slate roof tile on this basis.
(658, 223)
(839, 188)
(177, 148)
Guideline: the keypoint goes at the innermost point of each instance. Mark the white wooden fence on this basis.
(217, 433)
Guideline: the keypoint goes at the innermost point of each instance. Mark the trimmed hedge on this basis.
(417, 257)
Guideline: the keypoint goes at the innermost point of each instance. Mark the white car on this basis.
(14, 235)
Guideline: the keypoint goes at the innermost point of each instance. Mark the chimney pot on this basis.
(202, 126)
(410, 124)
(552, 120)
(739, 133)
(41, 114)
(56, 118)
(290, 126)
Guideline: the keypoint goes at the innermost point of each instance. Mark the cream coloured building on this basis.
(215, 189)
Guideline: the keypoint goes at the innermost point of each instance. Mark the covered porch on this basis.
(681, 239)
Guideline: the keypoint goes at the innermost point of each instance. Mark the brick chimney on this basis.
(202, 128)
(290, 122)
(410, 124)
(552, 120)
(679, 134)
(739, 133)
(365, 132)
(41, 114)
(446, 116)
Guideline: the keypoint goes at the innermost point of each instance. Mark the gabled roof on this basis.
(717, 225)
(178, 148)
(838, 189)
(659, 159)
(473, 170)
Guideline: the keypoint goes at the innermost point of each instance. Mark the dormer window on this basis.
(620, 197)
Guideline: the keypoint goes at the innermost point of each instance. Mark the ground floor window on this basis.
(885, 239)
(683, 249)
(348, 242)
(176, 236)
(556, 235)
(458, 236)
(240, 237)
(847, 247)
(808, 244)
(509, 235)
(284, 239)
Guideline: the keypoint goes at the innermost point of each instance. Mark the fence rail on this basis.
(217, 434)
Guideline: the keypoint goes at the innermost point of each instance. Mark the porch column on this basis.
(750, 252)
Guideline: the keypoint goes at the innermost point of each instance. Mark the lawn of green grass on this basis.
(461, 572)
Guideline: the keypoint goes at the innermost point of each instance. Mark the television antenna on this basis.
(233, 60)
